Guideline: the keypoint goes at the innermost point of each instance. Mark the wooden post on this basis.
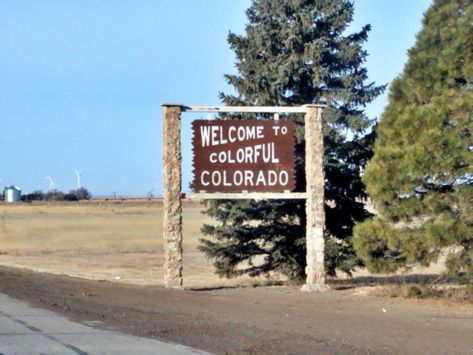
(172, 204)
(314, 158)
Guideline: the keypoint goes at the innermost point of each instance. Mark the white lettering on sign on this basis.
(244, 177)
(259, 153)
(215, 135)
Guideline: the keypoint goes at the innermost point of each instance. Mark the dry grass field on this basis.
(102, 240)
(118, 241)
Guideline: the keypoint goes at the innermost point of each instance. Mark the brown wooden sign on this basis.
(243, 155)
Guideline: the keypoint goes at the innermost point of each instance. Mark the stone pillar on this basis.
(172, 204)
(314, 158)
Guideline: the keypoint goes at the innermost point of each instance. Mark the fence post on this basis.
(172, 204)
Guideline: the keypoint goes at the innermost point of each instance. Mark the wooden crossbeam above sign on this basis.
(251, 109)
(248, 196)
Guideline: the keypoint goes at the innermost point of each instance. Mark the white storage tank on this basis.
(12, 194)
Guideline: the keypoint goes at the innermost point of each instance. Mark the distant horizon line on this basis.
(99, 196)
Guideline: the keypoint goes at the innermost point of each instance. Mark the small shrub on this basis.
(454, 293)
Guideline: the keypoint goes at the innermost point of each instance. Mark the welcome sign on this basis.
(243, 155)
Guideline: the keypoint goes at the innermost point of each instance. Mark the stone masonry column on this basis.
(172, 204)
(314, 157)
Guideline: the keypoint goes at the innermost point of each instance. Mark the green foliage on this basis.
(421, 176)
(293, 53)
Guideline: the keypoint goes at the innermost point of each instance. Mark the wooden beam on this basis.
(253, 109)
(247, 196)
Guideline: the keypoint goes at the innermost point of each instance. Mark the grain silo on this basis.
(12, 194)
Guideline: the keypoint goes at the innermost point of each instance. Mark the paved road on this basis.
(27, 330)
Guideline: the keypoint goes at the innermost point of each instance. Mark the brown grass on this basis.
(122, 242)
(450, 292)
(116, 241)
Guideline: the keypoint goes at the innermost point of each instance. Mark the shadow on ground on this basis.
(348, 283)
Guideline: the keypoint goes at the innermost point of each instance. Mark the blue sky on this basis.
(82, 82)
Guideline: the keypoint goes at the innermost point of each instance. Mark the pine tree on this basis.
(421, 176)
(296, 52)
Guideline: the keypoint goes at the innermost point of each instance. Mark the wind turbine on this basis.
(51, 183)
(78, 173)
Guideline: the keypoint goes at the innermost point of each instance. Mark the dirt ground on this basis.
(260, 320)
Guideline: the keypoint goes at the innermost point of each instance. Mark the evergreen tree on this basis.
(297, 52)
(421, 175)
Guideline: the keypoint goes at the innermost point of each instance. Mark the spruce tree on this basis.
(297, 52)
(421, 176)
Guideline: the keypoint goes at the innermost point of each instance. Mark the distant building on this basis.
(12, 194)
